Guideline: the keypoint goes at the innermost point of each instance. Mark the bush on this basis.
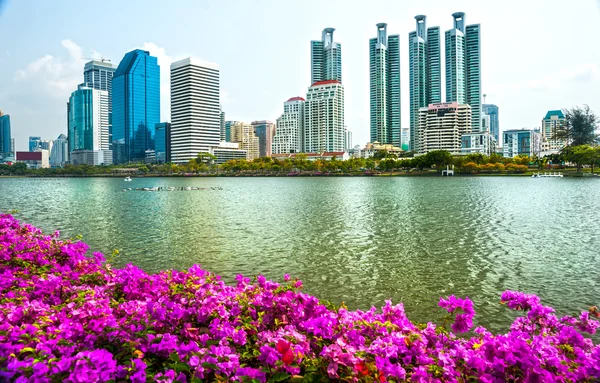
(513, 168)
(67, 317)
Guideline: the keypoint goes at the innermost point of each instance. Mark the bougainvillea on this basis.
(67, 317)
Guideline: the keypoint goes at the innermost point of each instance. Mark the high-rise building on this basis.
(441, 127)
(492, 111)
(195, 111)
(222, 131)
(325, 58)
(5, 135)
(463, 66)
(324, 117)
(59, 155)
(347, 139)
(34, 142)
(521, 141)
(135, 106)
(228, 125)
(264, 130)
(98, 74)
(424, 73)
(88, 119)
(384, 58)
(553, 120)
(290, 126)
(243, 134)
(162, 142)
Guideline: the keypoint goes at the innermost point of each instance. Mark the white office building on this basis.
(441, 127)
(195, 111)
(288, 135)
(324, 117)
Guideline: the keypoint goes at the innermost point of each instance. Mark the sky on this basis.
(537, 55)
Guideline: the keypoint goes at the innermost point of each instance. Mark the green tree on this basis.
(580, 155)
(579, 127)
(437, 158)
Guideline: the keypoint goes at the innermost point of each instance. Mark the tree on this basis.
(579, 127)
(582, 154)
(437, 158)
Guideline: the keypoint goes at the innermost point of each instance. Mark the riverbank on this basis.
(65, 316)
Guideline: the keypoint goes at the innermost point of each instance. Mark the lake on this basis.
(360, 240)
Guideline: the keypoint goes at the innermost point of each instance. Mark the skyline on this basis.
(44, 65)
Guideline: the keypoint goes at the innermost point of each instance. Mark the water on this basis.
(358, 240)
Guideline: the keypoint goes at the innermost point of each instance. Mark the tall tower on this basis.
(384, 58)
(135, 106)
(5, 135)
(98, 74)
(455, 60)
(325, 58)
(195, 111)
(88, 119)
(424, 72)
(473, 72)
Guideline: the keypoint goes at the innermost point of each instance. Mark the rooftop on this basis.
(325, 82)
(551, 113)
(195, 62)
(297, 98)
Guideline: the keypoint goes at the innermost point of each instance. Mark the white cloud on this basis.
(55, 76)
(588, 72)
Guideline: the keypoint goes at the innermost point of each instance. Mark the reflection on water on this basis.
(357, 240)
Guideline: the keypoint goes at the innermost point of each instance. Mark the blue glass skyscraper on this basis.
(492, 111)
(5, 138)
(136, 106)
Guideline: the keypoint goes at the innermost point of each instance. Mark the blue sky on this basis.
(536, 54)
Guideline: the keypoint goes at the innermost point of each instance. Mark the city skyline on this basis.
(35, 80)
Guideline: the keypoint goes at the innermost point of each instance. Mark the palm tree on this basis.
(579, 127)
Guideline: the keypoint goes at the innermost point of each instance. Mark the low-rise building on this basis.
(227, 151)
(441, 127)
(325, 156)
(34, 160)
(521, 142)
(373, 147)
(92, 157)
(481, 142)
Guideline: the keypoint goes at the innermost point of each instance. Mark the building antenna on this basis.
(484, 96)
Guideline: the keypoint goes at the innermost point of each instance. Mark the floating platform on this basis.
(171, 188)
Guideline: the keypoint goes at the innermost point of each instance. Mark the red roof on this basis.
(326, 82)
(297, 98)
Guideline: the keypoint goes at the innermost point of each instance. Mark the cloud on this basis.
(55, 76)
(582, 73)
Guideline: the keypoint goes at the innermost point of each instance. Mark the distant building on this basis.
(425, 75)
(374, 147)
(34, 142)
(478, 142)
(290, 126)
(227, 151)
(87, 123)
(550, 124)
(195, 110)
(59, 155)
(384, 62)
(324, 117)
(98, 74)
(324, 156)
(441, 127)
(91, 157)
(5, 136)
(264, 130)
(243, 134)
(222, 132)
(135, 106)
(521, 142)
(162, 142)
(492, 111)
(34, 160)
(325, 58)
(347, 139)
(228, 125)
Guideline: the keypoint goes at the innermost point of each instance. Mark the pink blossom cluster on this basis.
(67, 317)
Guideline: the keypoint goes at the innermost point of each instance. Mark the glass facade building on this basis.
(34, 142)
(98, 74)
(264, 130)
(326, 58)
(162, 142)
(492, 111)
(424, 73)
(384, 70)
(87, 119)
(5, 137)
(135, 106)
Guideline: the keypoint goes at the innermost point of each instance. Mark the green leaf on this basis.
(182, 367)
(279, 377)
(27, 349)
(212, 366)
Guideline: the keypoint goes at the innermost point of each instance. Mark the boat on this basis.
(547, 175)
(128, 179)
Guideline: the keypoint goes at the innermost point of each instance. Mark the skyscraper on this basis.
(463, 66)
(326, 58)
(492, 111)
(98, 74)
(243, 134)
(88, 119)
(162, 142)
(195, 111)
(264, 130)
(135, 106)
(384, 58)
(324, 117)
(553, 120)
(59, 155)
(222, 132)
(34, 142)
(424, 72)
(290, 126)
(5, 135)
